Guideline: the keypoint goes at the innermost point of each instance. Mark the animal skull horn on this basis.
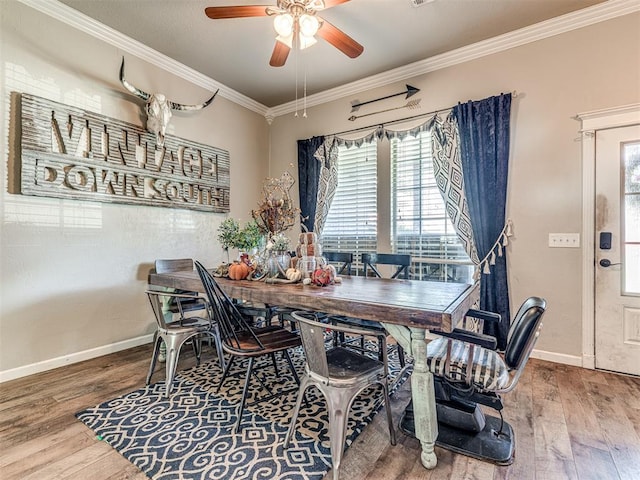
(158, 108)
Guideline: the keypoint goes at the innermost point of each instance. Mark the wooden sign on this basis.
(68, 152)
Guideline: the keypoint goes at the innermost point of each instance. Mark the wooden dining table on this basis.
(407, 308)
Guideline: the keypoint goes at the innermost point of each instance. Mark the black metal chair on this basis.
(468, 372)
(240, 340)
(340, 374)
(370, 260)
(402, 263)
(261, 314)
(343, 261)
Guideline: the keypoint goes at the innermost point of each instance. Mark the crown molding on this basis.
(633, 109)
(539, 31)
(555, 26)
(88, 25)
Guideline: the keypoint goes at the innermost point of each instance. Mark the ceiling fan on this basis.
(296, 22)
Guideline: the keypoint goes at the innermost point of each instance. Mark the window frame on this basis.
(385, 226)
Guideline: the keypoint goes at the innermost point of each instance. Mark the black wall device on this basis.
(605, 240)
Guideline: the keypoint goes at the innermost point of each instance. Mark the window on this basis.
(420, 225)
(352, 222)
(631, 217)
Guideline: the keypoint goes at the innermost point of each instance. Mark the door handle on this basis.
(605, 262)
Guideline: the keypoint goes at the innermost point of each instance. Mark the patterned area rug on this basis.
(190, 434)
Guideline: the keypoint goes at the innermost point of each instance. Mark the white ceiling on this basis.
(236, 52)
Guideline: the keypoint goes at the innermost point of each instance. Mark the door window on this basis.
(631, 218)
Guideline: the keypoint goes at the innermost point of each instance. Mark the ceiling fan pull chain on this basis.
(304, 98)
(295, 66)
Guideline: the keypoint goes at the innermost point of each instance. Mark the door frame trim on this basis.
(593, 121)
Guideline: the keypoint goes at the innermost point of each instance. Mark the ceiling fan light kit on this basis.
(283, 24)
(286, 26)
(309, 25)
(296, 23)
(305, 41)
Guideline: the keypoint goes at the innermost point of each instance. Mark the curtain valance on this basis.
(380, 132)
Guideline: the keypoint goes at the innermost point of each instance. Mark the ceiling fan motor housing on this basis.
(420, 3)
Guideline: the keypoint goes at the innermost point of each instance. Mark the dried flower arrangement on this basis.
(276, 213)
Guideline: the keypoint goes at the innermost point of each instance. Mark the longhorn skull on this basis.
(158, 108)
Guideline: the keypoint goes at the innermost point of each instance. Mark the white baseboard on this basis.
(52, 363)
(573, 360)
(26, 370)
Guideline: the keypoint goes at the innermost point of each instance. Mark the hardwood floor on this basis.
(570, 423)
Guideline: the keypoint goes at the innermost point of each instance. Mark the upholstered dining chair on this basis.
(340, 374)
(176, 334)
(468, 372)
(241, 340)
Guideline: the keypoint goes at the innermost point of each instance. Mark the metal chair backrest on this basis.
(346, 258)
(312, 335)
(170, 265)
(173, 265)
(234, 329)
(156, 306)
(524, 332)
(401, 261)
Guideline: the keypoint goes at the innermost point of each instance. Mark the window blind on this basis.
(420, 225)
(352, 222)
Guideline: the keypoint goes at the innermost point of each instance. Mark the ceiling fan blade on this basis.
(236, 12)
(279, 55)
(340, 40)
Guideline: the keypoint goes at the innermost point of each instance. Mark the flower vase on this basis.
(307, 265)
(277, 263)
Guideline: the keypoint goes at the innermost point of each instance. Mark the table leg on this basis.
(425, 421)
(424, 400)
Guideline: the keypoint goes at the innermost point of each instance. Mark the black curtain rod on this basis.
(514, 94)
(391, 122)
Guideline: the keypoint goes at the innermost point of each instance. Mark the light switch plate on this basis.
(564, 240)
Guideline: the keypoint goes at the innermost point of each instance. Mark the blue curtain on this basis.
(484, 148)
(308, 178)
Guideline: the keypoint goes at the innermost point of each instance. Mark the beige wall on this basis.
(73, 273)
(556, 78)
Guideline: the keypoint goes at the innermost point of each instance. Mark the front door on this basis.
(617, 250)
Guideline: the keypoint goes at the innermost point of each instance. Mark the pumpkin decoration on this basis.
(323, 276)
(239, 271)
(293, 274)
